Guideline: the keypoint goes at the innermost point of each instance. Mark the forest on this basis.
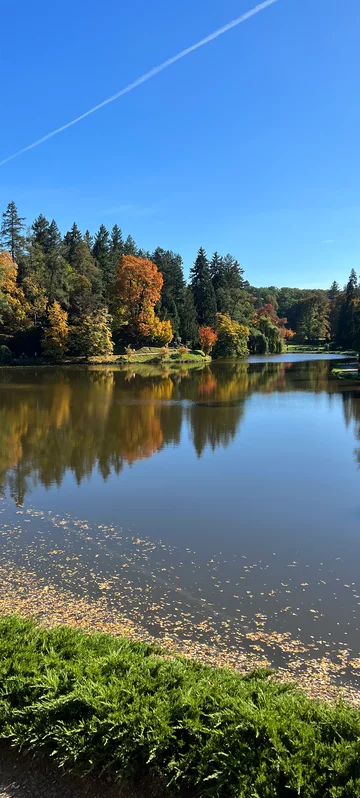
(82, 295)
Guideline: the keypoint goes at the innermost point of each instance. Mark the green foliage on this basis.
(258, 342)
(272, 334)
(11, 232)
(96, 703)
(170, 265)
(203, 291)
(91, 335)
(5, 355)
(232, 338)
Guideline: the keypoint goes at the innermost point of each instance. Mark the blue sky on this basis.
(249, 145)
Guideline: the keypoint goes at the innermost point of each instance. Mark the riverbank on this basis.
(100, 704)
(350, 373)
(151, 355)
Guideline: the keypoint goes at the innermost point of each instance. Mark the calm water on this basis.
(218, 506)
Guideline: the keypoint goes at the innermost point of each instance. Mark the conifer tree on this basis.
(203, 290)
(11, 233)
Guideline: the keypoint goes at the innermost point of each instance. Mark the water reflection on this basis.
(58, 420)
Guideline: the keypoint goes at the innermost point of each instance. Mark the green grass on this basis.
(104, 705)
(144, 355)
(343, 374)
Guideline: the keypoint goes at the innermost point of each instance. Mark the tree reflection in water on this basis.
(72, 419)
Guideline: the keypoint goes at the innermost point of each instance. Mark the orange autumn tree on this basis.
(138, 285)
(207, 338)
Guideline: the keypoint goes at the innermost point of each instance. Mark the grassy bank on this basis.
(346, 374)
(317, 350)
(102, 704)
(145, 355)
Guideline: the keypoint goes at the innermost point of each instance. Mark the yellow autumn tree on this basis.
(14, 308)
(56, 334)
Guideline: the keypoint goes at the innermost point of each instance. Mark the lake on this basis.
(213, 509)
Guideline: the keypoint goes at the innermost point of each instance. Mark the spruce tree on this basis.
(54, 236)
(130, 247)
(40, 233)
(72, 239)
(170, 265)
(346, 324)
(116, 246)
(334, 291)
(203, 290)
(188, 327)
(101, 253)
(11, 233)
(88, 239)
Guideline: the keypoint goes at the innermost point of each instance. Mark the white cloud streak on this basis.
(144, 78)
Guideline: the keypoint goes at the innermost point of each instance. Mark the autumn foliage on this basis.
(57, 332)
(137, 290)
(207, 338)
(14, 309)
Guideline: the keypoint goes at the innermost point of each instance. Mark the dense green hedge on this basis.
(99, 703)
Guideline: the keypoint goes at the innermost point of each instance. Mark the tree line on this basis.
(77, 294)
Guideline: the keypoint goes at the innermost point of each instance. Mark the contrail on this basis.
(148, 75)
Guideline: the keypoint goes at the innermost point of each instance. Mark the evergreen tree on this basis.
(130, 247)
(84, 266)
(346, 323)
(54, 236)
(101, 253)
(57, 278)
(72, 239)
(334, 291)
(88, 239)
(11, 233)
(172, 292)
(34, 282)
(40, 233)
(203, 290)
(116, 246)
(188, 328)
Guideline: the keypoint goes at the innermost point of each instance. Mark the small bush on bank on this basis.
(97, 703)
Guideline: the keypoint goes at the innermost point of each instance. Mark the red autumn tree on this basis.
(138, 286)
(207, 338)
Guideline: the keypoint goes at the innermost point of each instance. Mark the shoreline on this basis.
(27, 596)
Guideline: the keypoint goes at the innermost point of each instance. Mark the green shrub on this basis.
(5, 355)
(97, 703)
(199, 352)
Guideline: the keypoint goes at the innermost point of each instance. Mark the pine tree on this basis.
(54, 236)
(116, 246)
(346, 324)
(172, 292)
(72, 239)
(203, 291)
(101, 253)
(188, 319)
(334, 291)
(11, 233)
(40, 233)
(34, 282)
(130, 247)
(88, 239)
